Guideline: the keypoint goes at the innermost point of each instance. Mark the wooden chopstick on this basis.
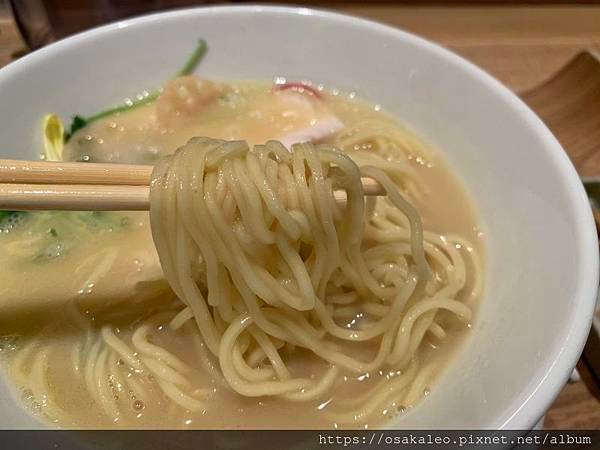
(67, 186)
(50, 172)
(73, 197)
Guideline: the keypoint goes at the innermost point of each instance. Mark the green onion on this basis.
(53, 133)
(190, 65)
(194, 59)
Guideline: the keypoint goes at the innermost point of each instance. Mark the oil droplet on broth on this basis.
(138, 405)
(27, 395)
(8, 343)
(30, 402)
(139, 265)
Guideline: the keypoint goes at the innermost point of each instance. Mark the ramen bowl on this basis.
(541, 269)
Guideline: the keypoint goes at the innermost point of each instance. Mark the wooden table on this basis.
(521, 46)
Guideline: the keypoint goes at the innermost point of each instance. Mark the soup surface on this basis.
(60, 266)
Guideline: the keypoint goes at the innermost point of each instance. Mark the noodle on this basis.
(284, 292)
(278, 290)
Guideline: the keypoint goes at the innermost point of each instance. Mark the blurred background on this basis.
(41, 21)
(540, 35)
(545, 51)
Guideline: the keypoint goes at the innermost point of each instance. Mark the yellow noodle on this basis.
(266, 266)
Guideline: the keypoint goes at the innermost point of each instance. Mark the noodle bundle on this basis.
(264, 258)
(277, 288)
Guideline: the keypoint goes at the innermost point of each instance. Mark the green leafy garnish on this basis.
(9, 220)
(190, 65)
(51, 234)
(77, 124)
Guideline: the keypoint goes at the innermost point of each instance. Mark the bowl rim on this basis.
(539, 396)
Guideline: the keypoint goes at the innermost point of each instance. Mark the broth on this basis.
(107, 261)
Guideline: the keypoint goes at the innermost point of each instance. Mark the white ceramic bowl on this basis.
(542, 254)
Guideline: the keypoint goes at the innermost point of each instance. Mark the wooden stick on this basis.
(48, 197)
(84, 197)
(46, 172)
(42, 185)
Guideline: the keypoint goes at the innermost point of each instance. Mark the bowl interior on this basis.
(540, 245)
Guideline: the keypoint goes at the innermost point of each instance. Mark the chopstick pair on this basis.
(42, 185)
(71, 186)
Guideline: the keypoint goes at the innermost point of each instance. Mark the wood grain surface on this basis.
(522, 46)
(569, 103)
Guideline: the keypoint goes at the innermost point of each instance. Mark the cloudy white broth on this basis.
(87, 314)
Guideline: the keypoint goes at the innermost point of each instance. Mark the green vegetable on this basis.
(194, 59)
(6, 214)
(77, 123)
(54, 133)
(10, 220)
(80, 122)
(53, 234)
